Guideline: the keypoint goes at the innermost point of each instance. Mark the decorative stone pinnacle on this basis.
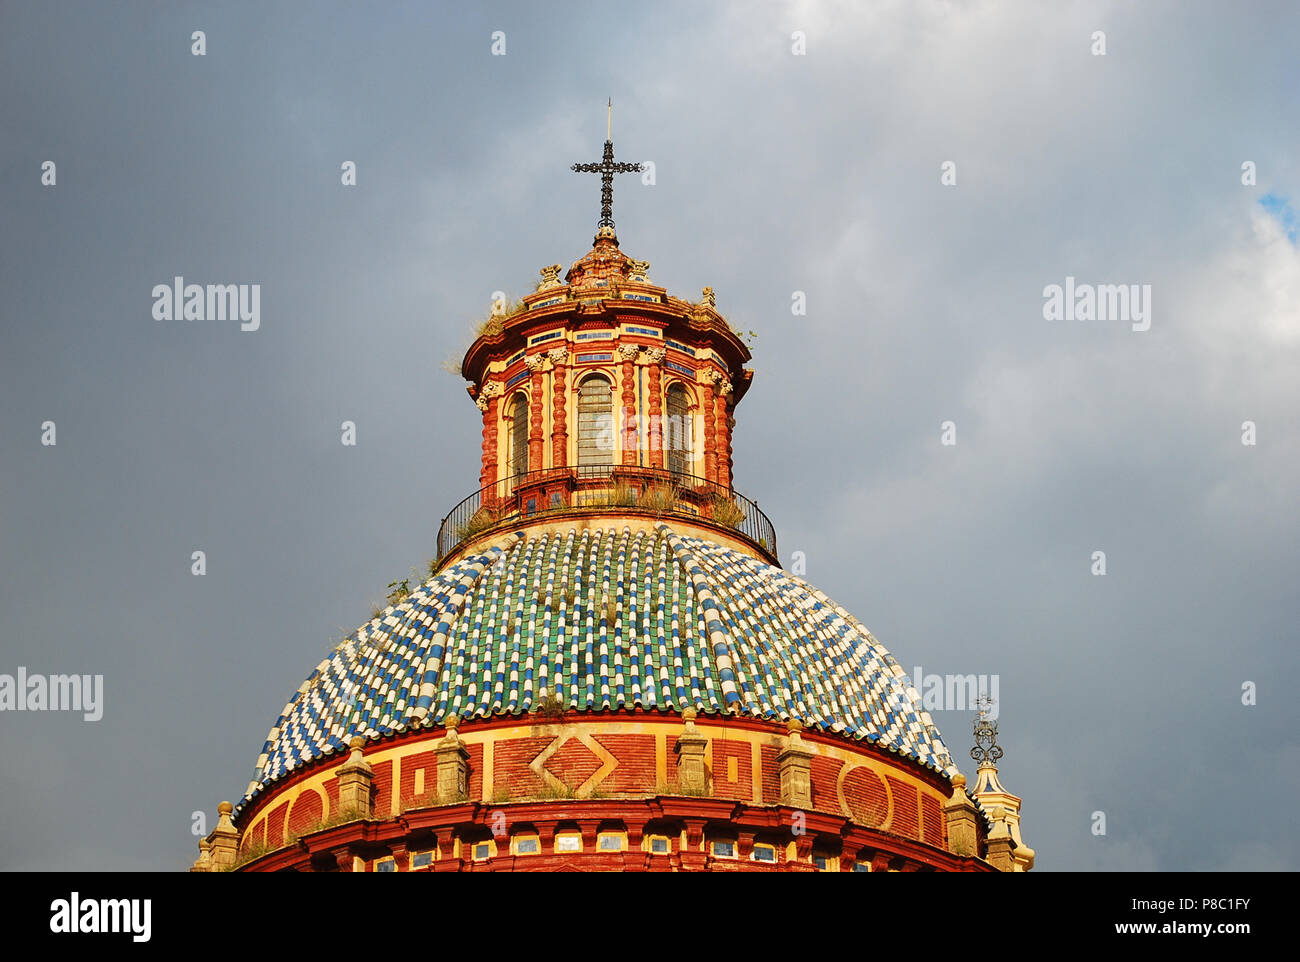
(225, 808)
(452, 723)
(550, 277)
(959, 781)
(707, 298)
(356, 743)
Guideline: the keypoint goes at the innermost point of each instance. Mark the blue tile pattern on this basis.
(605, 619)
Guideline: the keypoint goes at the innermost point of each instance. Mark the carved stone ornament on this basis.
(535, 362)
(636, 270)
(707, 298)
(492, 389)
(558, 355)
(655, 355)
(550, 277)
(628, 351)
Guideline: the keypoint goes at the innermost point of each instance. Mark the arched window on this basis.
(518, 462)
(595, 421)
(676, 432)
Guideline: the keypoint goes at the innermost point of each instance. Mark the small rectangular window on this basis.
(764, 853)
(610, 843)
(822, 863)
(568, 843)
(421, 859)
(659, 846)
(862, 866)
(724, 849)
(482, 850)
(527, 846)
(386, 865)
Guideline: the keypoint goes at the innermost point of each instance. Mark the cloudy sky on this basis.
(775, 173)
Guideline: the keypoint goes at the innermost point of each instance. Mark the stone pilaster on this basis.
(1000, 844)
(962, 817)
(692, 777)
(204, 862)
(224, 839)
(356, 783)
(453, 764)
(795, 762)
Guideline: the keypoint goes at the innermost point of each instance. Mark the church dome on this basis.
(605, 619)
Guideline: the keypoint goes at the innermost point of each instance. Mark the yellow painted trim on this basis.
(528, 836)
(756, 771)
(621, 837)
(567, 851)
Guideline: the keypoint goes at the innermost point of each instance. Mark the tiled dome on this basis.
(605, 619)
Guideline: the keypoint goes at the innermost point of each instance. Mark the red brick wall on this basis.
(573, 763)
(932, 821)
(384, 789)
(475, 770)
(510, 760)
(275, 825)
(771, 774)
(825, 775)
(306, 812)
(906, 820)
(426, 762)
(865, 794)
(636, 762)
(743, 787)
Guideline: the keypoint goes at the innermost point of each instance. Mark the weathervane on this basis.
(607, 169)
(986, 750)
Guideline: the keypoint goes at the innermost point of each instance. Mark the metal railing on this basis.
(553, 492)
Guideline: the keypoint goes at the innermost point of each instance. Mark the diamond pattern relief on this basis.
(574, 761)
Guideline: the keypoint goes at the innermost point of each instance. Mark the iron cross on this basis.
(607, 169)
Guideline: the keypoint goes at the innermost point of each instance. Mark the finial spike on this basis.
(609, 116)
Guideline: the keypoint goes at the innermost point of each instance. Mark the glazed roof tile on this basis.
(605, 619)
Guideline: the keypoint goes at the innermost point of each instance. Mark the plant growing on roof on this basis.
(726, 511)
